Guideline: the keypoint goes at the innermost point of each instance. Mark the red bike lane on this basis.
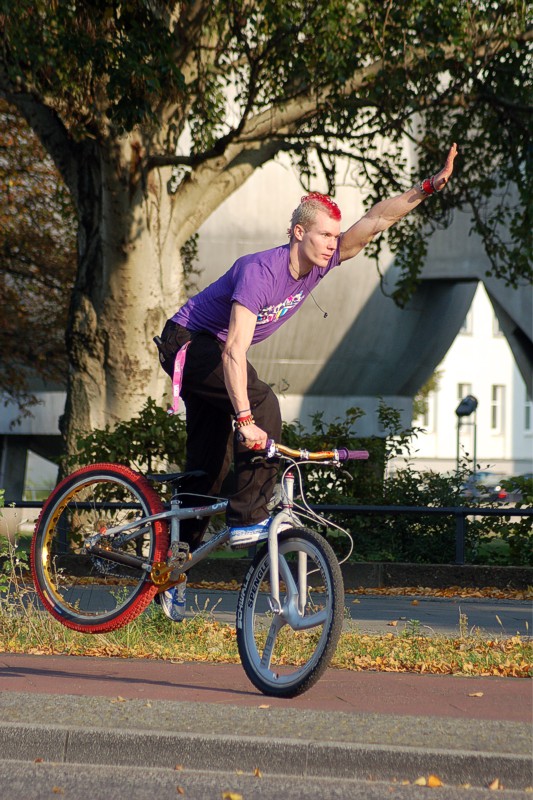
(365, 692)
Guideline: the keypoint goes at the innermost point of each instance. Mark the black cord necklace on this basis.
(292, 270)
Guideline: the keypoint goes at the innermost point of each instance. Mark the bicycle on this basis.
(105, 544)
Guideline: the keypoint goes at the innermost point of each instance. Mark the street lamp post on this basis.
(466, 408)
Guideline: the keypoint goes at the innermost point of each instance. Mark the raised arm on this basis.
(387, 212)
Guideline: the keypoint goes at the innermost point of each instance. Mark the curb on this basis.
(278, 757)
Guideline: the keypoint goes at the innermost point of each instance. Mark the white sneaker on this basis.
(249, 535)
(173, 602)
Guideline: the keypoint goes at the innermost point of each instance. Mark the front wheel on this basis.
(87, 592)
(284, 654)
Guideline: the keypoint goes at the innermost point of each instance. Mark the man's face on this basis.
(318, 243)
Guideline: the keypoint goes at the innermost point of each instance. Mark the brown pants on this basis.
(211, 443)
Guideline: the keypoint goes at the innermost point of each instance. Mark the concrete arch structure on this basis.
(366, 347)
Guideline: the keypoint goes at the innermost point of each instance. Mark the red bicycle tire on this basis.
(148, 590)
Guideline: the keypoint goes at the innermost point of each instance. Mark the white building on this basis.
(479, 363)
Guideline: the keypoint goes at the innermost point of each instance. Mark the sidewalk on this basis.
(389, 726)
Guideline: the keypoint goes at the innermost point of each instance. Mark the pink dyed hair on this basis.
(330, 205)
(309, 205)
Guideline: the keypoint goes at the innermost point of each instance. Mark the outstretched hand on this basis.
(441, 178)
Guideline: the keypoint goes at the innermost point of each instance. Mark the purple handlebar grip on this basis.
(352, 455)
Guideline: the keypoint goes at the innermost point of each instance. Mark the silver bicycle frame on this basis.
(285, 517)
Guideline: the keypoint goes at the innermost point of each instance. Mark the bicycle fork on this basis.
(284, 517)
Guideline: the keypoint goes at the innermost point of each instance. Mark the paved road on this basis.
(381, 613)
(343, 691)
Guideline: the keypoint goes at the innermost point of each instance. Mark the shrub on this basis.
(154, 440)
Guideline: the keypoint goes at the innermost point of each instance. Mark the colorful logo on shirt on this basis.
(274, 313)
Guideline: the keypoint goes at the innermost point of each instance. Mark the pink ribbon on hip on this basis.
(177, 378)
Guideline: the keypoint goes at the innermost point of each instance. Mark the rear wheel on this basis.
(88, 592)
(285, 653)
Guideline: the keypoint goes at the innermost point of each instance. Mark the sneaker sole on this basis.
(241, 544)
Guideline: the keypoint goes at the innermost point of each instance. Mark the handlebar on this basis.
(339, 454)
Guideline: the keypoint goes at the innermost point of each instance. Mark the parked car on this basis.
(485, 485)
(496, 487)
(519, 488)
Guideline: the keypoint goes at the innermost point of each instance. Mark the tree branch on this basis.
(203, 191)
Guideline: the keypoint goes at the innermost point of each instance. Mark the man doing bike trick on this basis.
(222, 392)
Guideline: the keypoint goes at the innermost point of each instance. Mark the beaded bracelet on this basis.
(249, 420)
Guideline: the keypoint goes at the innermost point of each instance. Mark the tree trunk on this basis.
(128, 283)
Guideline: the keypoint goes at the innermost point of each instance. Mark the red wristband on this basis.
(428, 187)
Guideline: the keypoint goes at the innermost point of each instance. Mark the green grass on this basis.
(203, 638)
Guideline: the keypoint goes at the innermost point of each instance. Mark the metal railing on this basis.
(459, 512)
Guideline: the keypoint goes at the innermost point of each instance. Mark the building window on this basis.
(496, 329)
(466, 327)
(463, 389)
(426, 415)
(528, 416)
(497, 401)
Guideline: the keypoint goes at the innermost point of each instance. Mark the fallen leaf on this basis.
(393, 623)
(475, 694)
(414, 602)
(178, 767)
(433, 781)
(38, 760)
(180, 790)
(420, 781)
(58, 790)
(264, 706)
(496, 784)
(258, 773)
(118, 699)
(231, 796)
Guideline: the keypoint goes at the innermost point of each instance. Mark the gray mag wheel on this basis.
(285, 654)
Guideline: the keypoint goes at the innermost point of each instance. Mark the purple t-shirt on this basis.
(261, 282)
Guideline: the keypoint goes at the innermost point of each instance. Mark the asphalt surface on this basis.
(61, 715)
(378, 614)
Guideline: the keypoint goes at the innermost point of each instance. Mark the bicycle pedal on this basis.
(178, 555)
